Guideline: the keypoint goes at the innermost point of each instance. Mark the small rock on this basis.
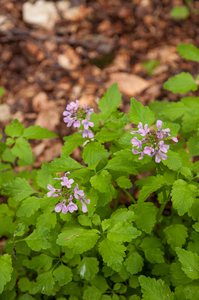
(5, 113)
(69, 59)
(40, 102)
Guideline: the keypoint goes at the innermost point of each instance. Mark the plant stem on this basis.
(130, 196)
(117, 199)
(161, 209)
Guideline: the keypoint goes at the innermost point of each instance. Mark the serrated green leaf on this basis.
(8, 295)
(63, 275)
(124, 182)
(109, 102)
(134, 263)
(15, 129)
(173, 161)
(183, 196)
(71, 143)
(23, 150)
(107, 197)
(84, 220)
(38, 239)
(2, 148)
(112, 253)
(106, 136)
(153, 289)
(100, 283)
(188, 51)
(101, 181)
(146, 212)
(178, 277)
(88, 268)
(5, 270)
(63, 164)
(93, 196)
(174, 110)
(38, 133)
(47, 220)
(152, 249)
(193, 245)
(122, 163)
(92, 293)
(123, 232)
(193, 145)
(180, 12)
(140, 113)
(190, 263)
(161, 269)
(196, 226)
(18, 189)
(181, 83)
(40, 262)
(44, 284)
(190, 121)
(8, 156)
(93, 152)
(153, 183)
(176, 235)
(26, 296)
(78, 238)
(29, 206)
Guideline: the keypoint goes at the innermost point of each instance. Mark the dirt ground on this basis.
(91, 45)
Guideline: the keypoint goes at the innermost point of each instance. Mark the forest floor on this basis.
(90, 45)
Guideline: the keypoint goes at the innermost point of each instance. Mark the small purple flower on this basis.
(87, 133)
(142, 131)
(61, 207)
(52, 191)
(158, 153)
(84, 207)
(71, 207)
(162, 133)
(86, 124)
(71, 107)
(148, 151)
(77, 124)
(67, 182)
(136, 142)
(69, 120)
(78, 192)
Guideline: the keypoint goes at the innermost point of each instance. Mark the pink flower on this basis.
(86, 124)
(71, 207)
(84, 207)
(141, 131)
(76, 124)
(52, 190)
(71, 107)
(136, 142)
(61, 207)
(148, 150)
(87, 133)
(78, 192)
(67, 182)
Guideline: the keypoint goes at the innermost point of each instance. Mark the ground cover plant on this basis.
(68, 235)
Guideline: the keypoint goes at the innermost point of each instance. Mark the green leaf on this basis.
(124, 182)
(151, 65)
(123, 232)
(178, 277)
(153, 289)
(106, 136)
(44, 284)
(193, 245)
(190, 263)
(196, 226)
(26, 296)
(15, 129)
(176, 235)
(112, 253)
(47, 220)
(174, 110)
(8, 156)
(40, 262)
(84, 220)
(153, 183)
(78, 238)
(93, 196)
(93, 152)
(140, 113)
(100, 283)
(38, 133)
(146, 212)
(181, 83)
(38, 239)
(3, 148)
(63, 164)
(63, 275)
(109, 102)
(151, 247)
(5, 270)
(188, 51)
(18, 189)
(134, 263)
(88, 268)
(29, 206)
(122, 163)
(101, 181)
(180, 13)
(23, 150)
(193, 145)
(173, 161)
(72, 143)
(190, 121)
(183, 196)
(92, 293)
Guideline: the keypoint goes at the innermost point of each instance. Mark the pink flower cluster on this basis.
(156, 142)
(67, 192)
(76, 116)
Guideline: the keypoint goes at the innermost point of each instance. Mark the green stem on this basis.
(161, 209)
(130, 196)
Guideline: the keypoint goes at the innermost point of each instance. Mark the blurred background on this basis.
(54, 52)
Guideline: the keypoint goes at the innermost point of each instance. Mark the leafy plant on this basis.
(151, 65)
(68, 235)
(179, 12)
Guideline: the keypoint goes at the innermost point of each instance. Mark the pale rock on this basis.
(53, 151)
(88, 100)
(38, 149)
(69, 59)
(129, 84)
(48, 119)
(40, 102)
(5, 113)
